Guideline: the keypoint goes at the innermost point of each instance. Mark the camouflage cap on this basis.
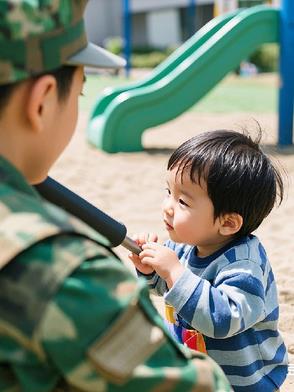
(41, 35)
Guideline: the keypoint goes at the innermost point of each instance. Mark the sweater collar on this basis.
(203, 262)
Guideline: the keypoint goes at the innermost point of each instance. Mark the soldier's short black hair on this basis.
(239, 176)
(63, 76)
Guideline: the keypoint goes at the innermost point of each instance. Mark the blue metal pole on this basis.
(192, 17)
(127, 34)
(286, 93)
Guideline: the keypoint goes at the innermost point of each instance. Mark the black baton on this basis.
(114, 231)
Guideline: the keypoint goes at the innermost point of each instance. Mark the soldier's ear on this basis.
(42, 101)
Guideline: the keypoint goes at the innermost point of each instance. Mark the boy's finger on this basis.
(143, 238)
(147, 260)
(147, 253)
(136, 238)
(152, 237)
(150, 245)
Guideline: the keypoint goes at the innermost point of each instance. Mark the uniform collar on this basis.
(10, 175)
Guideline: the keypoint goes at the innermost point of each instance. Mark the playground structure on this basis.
(223, 6)
(121, 115)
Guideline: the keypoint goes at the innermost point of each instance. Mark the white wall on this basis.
(163, 28)
(155, 22)
(139, 28)
(103, 19)
(147, 5)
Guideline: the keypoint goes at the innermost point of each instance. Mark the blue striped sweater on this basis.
(231, 298)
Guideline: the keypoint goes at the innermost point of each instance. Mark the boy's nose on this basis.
(169, 211)
(168, 208)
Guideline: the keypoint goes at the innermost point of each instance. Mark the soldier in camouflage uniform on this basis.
(72, 317)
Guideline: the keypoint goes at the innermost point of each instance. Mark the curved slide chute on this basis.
(163, 69)
(130, 113)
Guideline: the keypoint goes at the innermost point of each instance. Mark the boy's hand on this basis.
(163, 260)
(141, 239)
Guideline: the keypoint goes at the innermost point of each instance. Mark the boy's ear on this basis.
(230, 223)
(41, 100)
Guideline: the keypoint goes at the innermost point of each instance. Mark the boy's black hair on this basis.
(240, 178)
(63, 76)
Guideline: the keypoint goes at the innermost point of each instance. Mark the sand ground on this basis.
(130, 187)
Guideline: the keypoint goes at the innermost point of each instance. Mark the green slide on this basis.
(120, 126)
(175, 59)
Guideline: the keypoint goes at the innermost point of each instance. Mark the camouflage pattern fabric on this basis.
(38, 36)
(72, 317)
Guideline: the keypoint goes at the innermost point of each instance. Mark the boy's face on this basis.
(188, 214)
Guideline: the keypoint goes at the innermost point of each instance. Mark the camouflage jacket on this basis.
(72, 317)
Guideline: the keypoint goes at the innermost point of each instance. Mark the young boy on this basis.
(213, 272)
(67, 305)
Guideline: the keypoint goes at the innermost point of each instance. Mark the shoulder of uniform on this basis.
(29, 220)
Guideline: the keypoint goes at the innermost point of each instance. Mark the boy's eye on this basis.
(167, 191)
(181, 201)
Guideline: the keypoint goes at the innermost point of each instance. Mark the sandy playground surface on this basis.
(130, 187)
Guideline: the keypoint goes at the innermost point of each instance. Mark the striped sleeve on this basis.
(231, 305)
(155, 283)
